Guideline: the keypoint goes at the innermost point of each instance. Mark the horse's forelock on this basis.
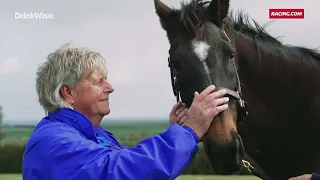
(193, 15)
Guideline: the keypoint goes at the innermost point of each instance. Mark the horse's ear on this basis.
(164, 12)
(218, 11)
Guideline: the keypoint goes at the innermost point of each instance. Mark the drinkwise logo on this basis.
(286, 13)
(33, 16)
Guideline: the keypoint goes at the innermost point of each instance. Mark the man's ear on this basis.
(67, 94)
(218, 11)
(165, 14)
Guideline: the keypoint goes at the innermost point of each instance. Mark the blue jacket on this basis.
(65, 145)
(315, 176)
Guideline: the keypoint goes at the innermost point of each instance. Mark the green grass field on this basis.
(183, 177)
(118, 128)
(203, 177)
(17, 131)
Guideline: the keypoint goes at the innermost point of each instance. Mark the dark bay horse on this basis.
(280, 85)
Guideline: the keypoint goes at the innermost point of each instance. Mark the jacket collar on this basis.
(75, 119)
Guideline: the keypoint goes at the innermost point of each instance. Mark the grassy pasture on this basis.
(118, 128)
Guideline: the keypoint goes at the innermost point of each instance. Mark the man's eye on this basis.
(101, 80)
(97, 82)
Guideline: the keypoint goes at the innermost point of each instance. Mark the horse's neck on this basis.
(276, 84)
(283, 96)
(272, 67)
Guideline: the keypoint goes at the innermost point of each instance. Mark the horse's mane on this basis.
(241, 24)
(193, 16)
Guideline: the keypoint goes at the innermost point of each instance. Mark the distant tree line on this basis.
(1, 116)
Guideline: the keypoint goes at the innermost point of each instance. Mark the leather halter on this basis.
(242, 108)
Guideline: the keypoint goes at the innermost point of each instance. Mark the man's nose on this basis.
(109, 87)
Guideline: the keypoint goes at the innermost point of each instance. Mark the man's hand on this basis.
(302, 177)
(204, 108)
(178, 113)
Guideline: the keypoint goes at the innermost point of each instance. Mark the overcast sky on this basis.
(128, 34)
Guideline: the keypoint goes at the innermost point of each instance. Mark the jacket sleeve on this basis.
(163, 156)
(315, 176)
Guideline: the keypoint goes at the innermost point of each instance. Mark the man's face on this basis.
(91, 96)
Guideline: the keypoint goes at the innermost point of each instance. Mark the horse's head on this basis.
(201, 54)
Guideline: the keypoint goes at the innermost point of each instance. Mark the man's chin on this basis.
(106, 111)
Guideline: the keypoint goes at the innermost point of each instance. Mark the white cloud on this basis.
(11, 65)
(120, 73)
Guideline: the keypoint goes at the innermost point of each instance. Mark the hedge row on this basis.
(11, 157)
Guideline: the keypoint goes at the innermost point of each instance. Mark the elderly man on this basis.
(69, 143)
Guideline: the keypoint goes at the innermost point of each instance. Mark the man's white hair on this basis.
(67, 65)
